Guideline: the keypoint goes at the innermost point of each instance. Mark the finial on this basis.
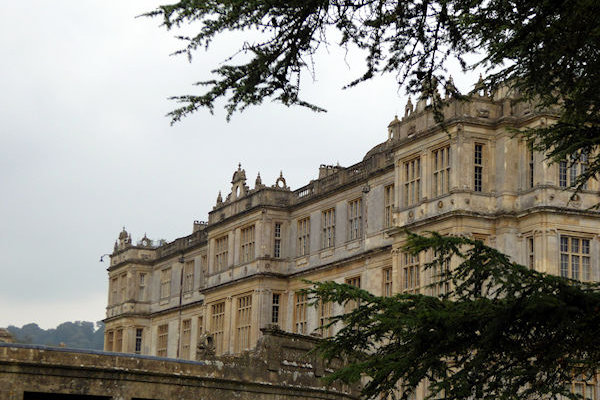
(258, 181)
(219, 198)
(239, 166)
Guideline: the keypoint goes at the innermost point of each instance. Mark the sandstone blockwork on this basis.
(281, 368)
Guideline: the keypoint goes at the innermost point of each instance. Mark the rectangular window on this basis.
(575, 258)
(123, 287)
(221, 253)
(355, 219)
(243, 322)
(277, 240)
(247, 244)
(530, 253)
(441, 171)
(188, 276)
(165, 283)
(585, 386)
(304, 236)
(354, 281)
(275, 308)
(328, 226)
(110, 340)
(439, 285)
(163, 340)
(186, 339)
(138, 340)
(530, 165)
(217, 326)
(387, 282)
(324, 316)
(478, 164)
(410, 273)
(412, 182)
(388, 205)
(569, 171)
(114, 294)
(119, 341)
(142, 286)
(300, 306)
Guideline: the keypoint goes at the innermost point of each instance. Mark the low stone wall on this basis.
(32, 372)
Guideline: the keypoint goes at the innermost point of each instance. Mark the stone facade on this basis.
(242, 269)
(280, 368)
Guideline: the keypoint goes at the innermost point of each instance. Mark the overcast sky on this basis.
(86, 149)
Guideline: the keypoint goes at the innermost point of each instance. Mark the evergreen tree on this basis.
(503, 331)
(547, 50)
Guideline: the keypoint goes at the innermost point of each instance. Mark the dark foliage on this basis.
(502, 332)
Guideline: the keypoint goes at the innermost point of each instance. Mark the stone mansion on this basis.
(242, 269)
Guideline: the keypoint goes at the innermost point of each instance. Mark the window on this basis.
(186, 339)
(123, 287)
(304, 236)
(575, 258)
(569, 171)
(247, 244)
(119, 340)
(354, 281)
(441, 171)
(478, 164)
(300, 306)
(110, 340)
(138, 340)
(530, 253)
(165, 283)
(217, 325)
(277, 240)
(243, 322)
(163, 340)
(410, 273)
(388, 205)
(221, 253)
(355, 219)
(114, 285)
(142, 286)
(387, 282)
(324, 316)
(275, 308)
(585, 387)
(439, 285)
(412, 182)
(530, 165)
(328, 225)
(188, 276)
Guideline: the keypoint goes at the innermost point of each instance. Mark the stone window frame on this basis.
(328, 228)
(387, 281)
(217, 325)
(575, 247)
(165, 283)
(277, 238)
(276, 299)
(188, 276)
(247, 243)
(325, 313)
(142, 285)
(478, 166)
(412, 172)
(355, 218)
(243, 322)
(356, 281)
(186, 339)
(110, 340)
(221, 257)
(303, 234)
(410, 273)
(388, 205)
(162, 342)
(123, 287)
(138, 340)
(569, 171)
(300, 313)
(441, 168)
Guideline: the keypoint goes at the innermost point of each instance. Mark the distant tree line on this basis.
(77, 334)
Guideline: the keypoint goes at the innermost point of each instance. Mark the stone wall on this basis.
(280, 369)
